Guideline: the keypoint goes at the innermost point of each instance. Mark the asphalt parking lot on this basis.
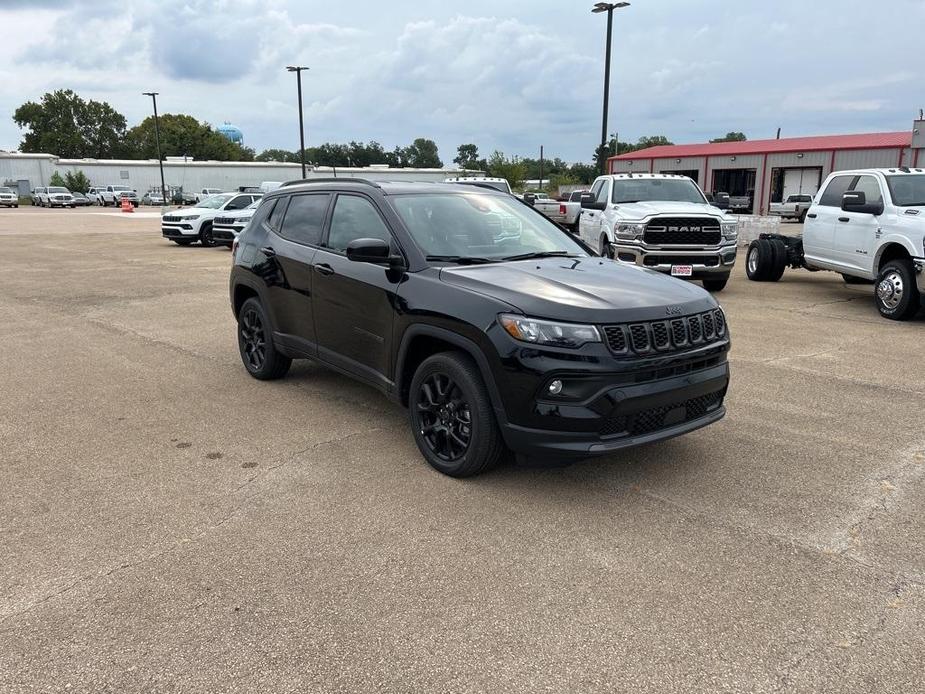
(169, 524)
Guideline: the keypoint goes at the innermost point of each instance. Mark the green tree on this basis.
(64, 124)
(283, 155)
(583, 173)
(732, 136)
(421, 154)
(514, 171)
(57, 180)
(77, 181)
(652, 141)
(467, 157)
(182, 135)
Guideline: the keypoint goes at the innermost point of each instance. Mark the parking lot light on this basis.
(157, 143)
(297, 69)
(607, 7)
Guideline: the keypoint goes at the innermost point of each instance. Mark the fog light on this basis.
(555, 387)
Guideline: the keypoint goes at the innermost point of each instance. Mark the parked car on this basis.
(662, 222)
(718, 200)
(34, 196)
(740, 203)
(94, 194)
(152, 197)
(564, 212)
(206, 193)
(868, 225)
(113, 195)
(55, 196)
(190, 224)
(80, 200)
(483, 182)
(795, 207)
(227, 227)
(9, 197)
(493, 341)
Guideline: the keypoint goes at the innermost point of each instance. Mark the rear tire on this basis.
(758, 260)
(205, 236)
(896, 293)
(452, 419)
(779, 260)
(255, 344)
(716, 285)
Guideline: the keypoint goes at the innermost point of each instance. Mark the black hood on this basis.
(582, 290)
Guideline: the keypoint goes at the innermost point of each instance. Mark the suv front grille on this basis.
(682, 231)
(657, 418)
(662, 337)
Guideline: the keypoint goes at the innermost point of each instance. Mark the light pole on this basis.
(607, 7)
(157, 142)
(297, 69)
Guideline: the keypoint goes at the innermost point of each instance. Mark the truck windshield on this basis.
(471, 227)
(58, 189)
(119, 189)
(213, 202)
(630, 190)
(5, 190)
(907, 191)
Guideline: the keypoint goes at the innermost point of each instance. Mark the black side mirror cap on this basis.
(856, 201)
(374, 251)
(589, 202)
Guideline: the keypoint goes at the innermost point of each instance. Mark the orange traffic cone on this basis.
(127, 205)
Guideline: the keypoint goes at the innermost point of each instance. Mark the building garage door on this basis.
(801, 182)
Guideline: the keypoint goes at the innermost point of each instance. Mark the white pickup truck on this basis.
(112, 195)
(868, 225)
(564, 212)
(794, 207)
(662, 222)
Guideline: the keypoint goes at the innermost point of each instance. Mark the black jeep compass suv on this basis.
(493, 326)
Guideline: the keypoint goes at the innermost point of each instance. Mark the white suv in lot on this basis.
(227, 227)
(868, 225)
(189, 224)
(9, 197)
(660, 221)
(55, 196)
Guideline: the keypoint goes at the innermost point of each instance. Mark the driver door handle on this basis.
(812, 216)
(324, 269)
(268, 251)
(844, 219)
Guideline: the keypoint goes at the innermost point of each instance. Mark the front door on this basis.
(819, 235)
(856, 232)
(354, 302)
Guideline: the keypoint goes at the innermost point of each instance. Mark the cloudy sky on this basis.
(504, 74)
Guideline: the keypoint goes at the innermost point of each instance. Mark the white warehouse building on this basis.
(28, 171)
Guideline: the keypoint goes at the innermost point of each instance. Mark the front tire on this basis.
(205, 236)
(255, 343)
(182, 242)
(605, 247)
(452, 418)
(716, 285)
(896, 293)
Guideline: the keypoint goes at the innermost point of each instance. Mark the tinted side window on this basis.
(304, 218)
(355, 218)
(837, 187)
(239, 203)
(602, 192)
(870, 187)
(596, 188)
(275, 220)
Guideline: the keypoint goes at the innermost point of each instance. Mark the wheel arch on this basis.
(421, 341)
(892, 250)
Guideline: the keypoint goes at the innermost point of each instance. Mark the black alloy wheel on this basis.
(253, 339)
(445, 417)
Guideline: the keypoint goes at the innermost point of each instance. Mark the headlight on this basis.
(730, 230)
(541, 332)
(189, 217)
(629, 231)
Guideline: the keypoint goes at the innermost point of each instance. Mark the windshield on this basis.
(628, 190)
(5, 190)
(213, 202)
(907, 191)
(58, 189)
(487, 228)
(119, 189)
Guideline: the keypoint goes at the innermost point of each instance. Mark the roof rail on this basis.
(300, 181)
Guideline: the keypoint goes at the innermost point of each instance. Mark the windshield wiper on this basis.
(461, 259)
(541, 254)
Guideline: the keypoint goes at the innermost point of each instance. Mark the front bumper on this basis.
(623, 416)
(179, 230)
(225, 234)
(61, 203)
(706, 262)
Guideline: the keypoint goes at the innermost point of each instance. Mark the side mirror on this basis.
(589, 202)
(374, 251)
(856, 201)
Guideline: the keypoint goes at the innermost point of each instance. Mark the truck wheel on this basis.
(778, 262)
(255, 343)
(716, 285)
(452, 419)
(896, 294)
(758, 260)
(605, 247)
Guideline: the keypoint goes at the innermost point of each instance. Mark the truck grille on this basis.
(682, 231)
(664, 337)
(657, 418)
(706, 260)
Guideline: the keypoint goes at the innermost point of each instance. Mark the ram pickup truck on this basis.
(112, 195)
(9, 197)
(55, 196)
(207, 192)
(868, 225)
(564, 212)
(795, 207)
(662, 222)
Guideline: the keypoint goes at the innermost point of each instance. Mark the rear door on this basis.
(295, 229)
(819, 230)
(354, 302)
